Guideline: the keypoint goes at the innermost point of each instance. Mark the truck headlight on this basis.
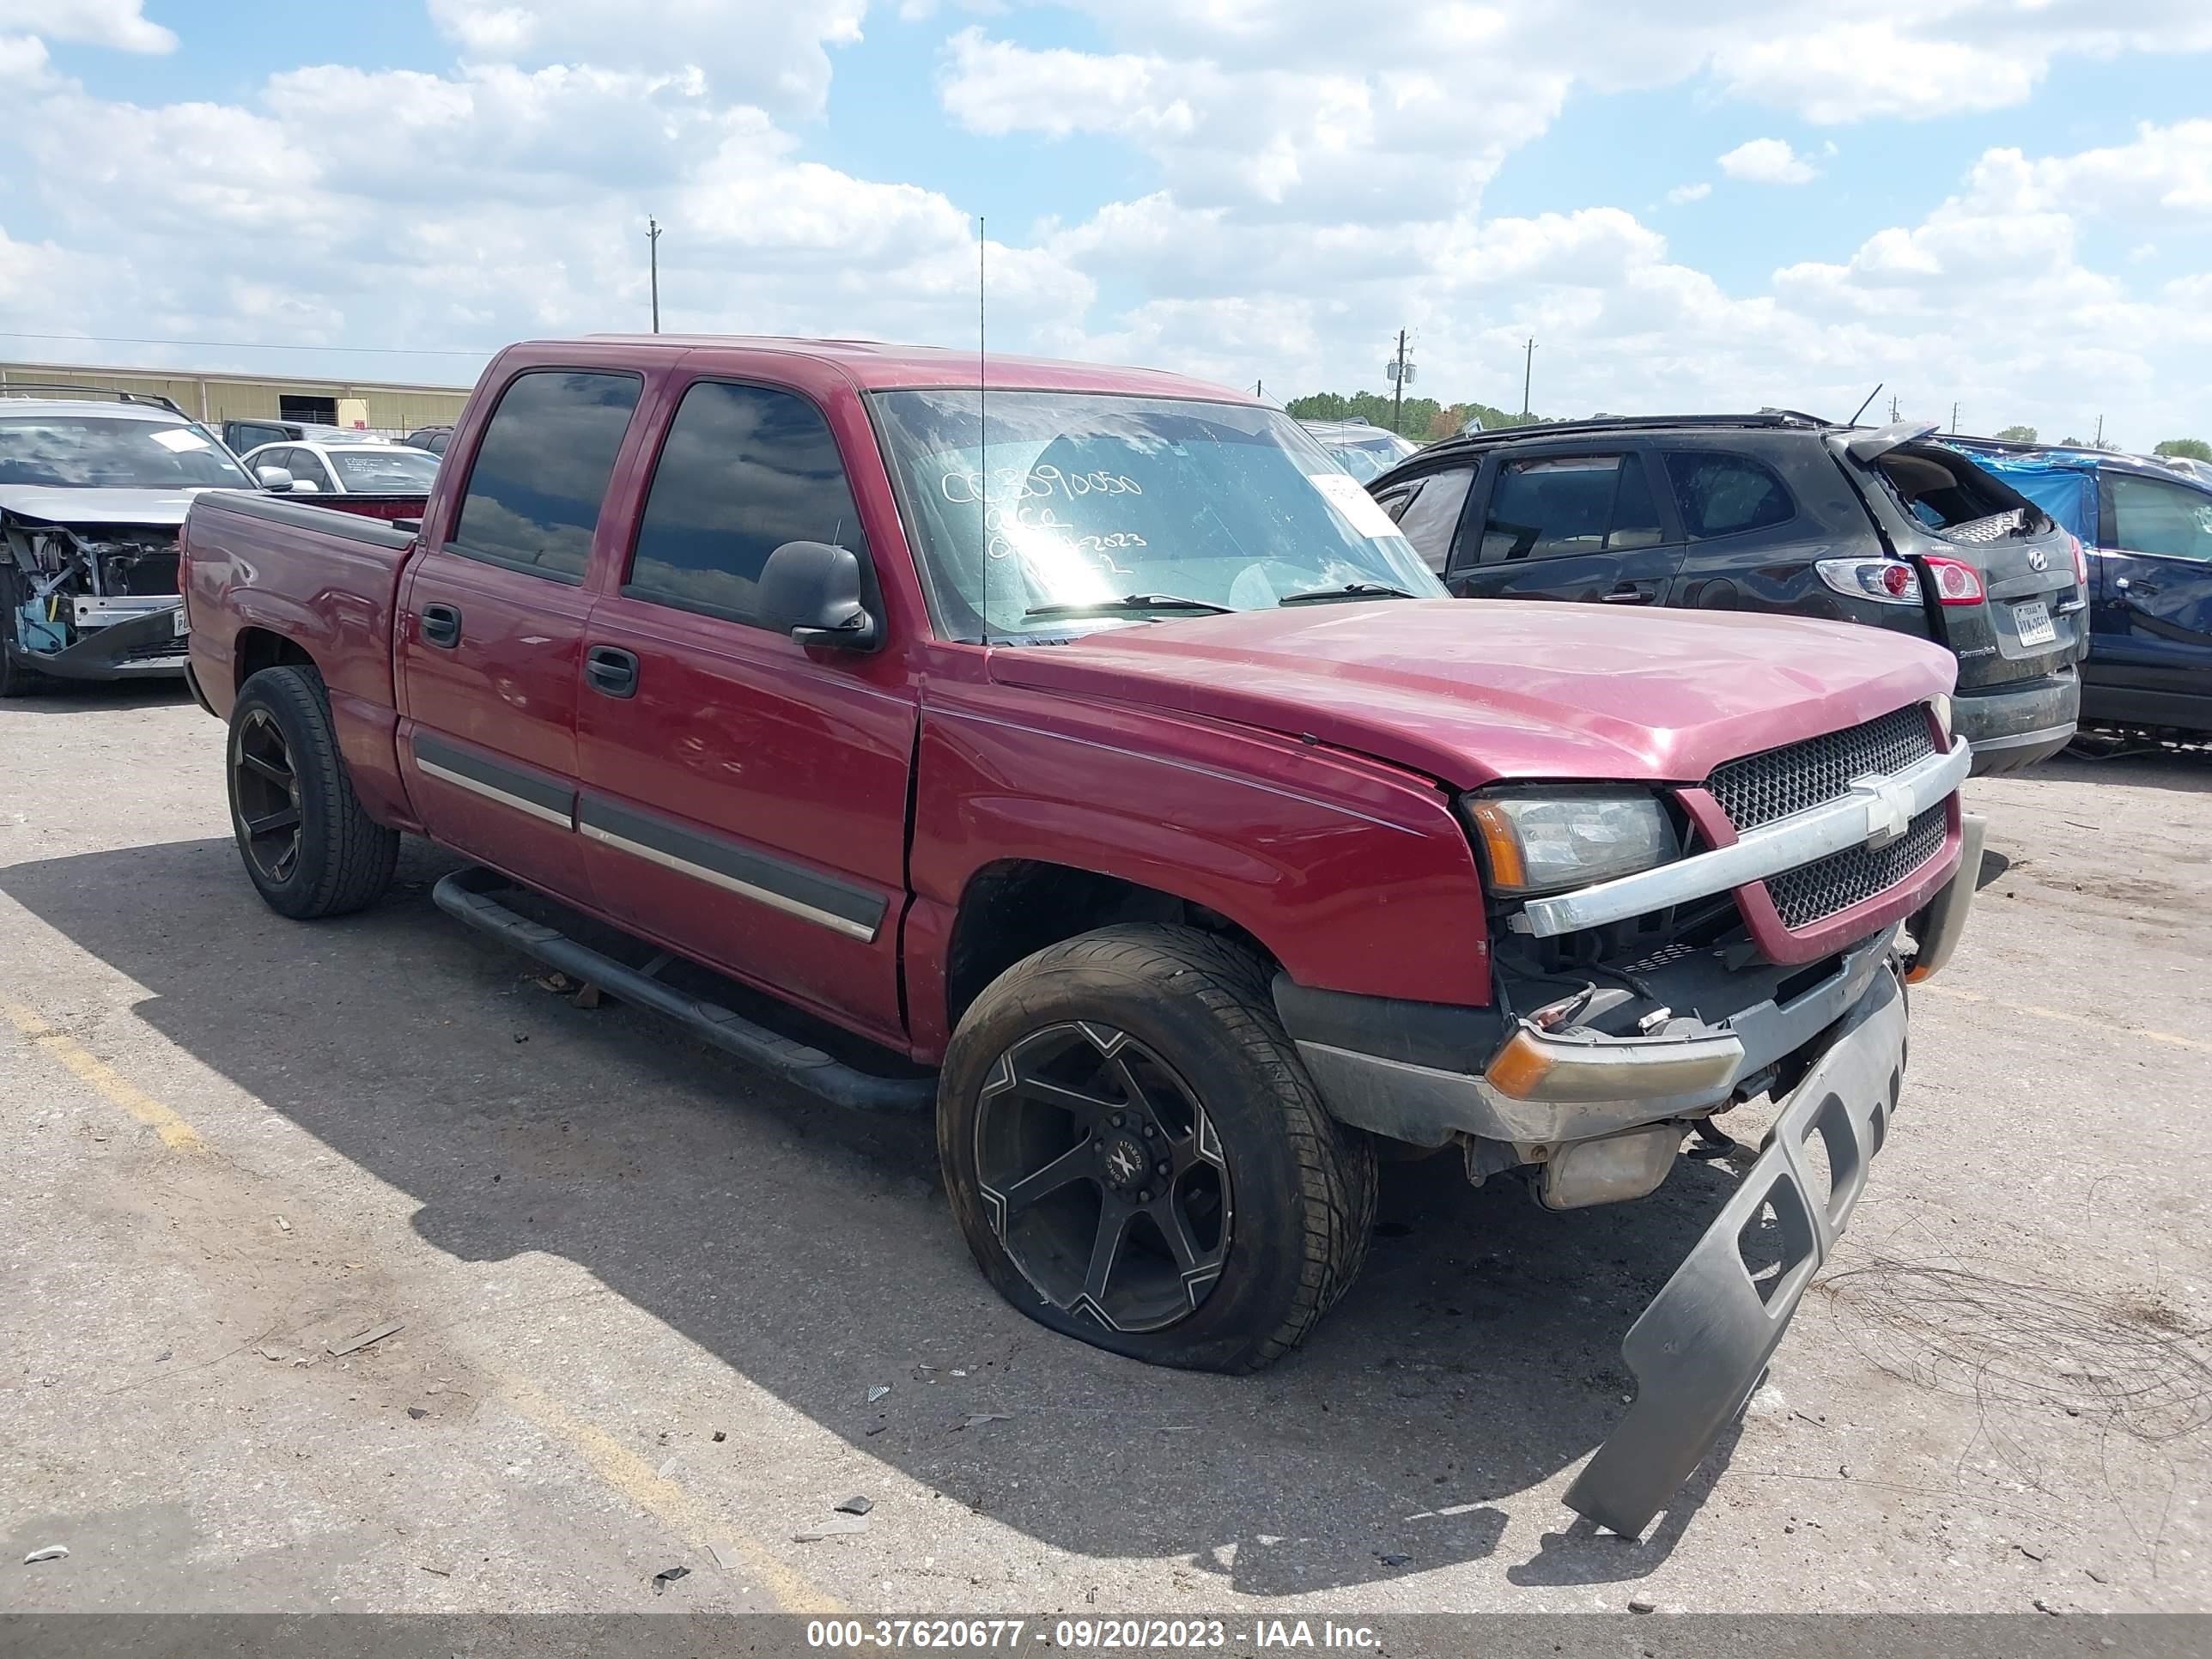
(1536, 843)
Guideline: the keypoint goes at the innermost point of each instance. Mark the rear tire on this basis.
(309, 845)
(1138, 1076)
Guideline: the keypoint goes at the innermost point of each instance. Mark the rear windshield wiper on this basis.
(1127, 605)
(1349, 591)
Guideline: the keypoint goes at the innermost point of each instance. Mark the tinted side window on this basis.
(541, 471)
(1431, 518)
(1727, 495)
(745, 469)
(2150, 517)
(1562, 505)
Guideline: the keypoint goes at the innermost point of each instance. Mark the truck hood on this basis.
(1470, 691)
(83, 507)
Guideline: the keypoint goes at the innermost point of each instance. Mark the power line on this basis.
(248, 345)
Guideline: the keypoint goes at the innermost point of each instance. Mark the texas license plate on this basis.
(2033, 621)
(177, 627)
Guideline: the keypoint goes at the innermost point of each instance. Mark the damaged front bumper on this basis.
(133, 638)
(1701, 1347)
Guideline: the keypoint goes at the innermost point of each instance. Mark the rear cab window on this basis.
(541, 471)
(1559, 505)
(744, 469)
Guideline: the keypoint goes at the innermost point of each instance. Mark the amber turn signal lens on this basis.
(1502, 843)
(1521, 1067)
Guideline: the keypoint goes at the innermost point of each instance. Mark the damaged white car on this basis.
(91, 496)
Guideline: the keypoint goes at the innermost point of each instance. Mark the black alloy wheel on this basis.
(1102, 1177)
(267, 791)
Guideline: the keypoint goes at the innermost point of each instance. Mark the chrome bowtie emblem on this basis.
(2038, 560)
(1889, 809)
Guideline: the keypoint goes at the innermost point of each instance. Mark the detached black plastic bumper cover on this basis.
(1702, 1346)
(118, 651)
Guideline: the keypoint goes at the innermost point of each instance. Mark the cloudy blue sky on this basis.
(2003, 203)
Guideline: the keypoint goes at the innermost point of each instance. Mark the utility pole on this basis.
(2101, 442)
(1528, 373)
(652, 246)
(1955, 420)
(1399, 376)
(1893, 407)
(1258, 388)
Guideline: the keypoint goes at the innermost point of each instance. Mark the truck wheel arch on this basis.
(257, 649)
(1013, 907)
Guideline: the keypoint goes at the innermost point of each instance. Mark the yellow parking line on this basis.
(661, 1496)
(2109, 1027)
(614, 1463)
(177, 1135)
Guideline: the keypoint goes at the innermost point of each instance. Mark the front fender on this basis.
(1355, 875)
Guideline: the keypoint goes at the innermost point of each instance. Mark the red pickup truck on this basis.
(1091, 745)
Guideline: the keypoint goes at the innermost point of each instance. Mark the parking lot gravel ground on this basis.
(644, 1301)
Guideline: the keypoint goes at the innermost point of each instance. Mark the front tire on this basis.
(309, 845)
(1138, 1158)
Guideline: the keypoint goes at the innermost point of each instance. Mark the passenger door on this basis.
(490, 643)
(743, 797)
(1582, 525)
(2154, 632)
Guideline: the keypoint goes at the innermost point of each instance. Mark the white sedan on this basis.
(364, 468)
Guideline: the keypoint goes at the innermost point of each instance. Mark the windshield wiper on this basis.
(1127, 605)
(1349, 591)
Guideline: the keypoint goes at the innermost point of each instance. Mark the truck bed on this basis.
(265, 573)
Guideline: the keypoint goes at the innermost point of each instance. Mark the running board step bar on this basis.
(466, 894)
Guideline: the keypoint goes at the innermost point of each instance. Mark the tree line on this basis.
(1421, 418)
(2183, 449)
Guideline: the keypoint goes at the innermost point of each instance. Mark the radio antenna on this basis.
(983, 423)
(1862, 408)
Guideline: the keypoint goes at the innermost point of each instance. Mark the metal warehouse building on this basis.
(213, 398)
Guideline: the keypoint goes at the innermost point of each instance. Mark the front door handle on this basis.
(611, 671)
(1632, 593)
(442, 625)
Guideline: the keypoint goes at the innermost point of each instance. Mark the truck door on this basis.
(491, 628)
(745, 799)
(2151, 647)
(1576, 524)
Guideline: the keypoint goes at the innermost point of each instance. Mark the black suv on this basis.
(1773, 512)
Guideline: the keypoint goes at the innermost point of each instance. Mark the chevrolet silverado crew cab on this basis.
(1775, 512)
(1089, 748)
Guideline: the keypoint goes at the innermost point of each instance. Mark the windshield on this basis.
(1095, 498)
(96, 451)
(398, 471)
(1368, 458)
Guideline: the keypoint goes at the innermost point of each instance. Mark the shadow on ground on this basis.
(811, 1250)
(51, 696)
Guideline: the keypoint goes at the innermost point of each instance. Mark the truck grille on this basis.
(1760, 788)
(1812, 892)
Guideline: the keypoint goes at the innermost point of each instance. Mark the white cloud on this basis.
(1696, 192)
(770, 53)
(1768, 162)
(120, 24)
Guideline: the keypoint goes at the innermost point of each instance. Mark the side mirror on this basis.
(273, 477)
(305, 487)
(812, 590)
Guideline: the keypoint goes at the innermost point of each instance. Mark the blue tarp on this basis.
(2061, 482)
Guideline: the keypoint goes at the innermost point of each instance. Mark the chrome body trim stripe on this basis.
(478, 787)
(774, 901)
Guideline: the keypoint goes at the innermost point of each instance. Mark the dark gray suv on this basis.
(1773, 512)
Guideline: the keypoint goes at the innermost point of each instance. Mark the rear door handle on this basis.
(611, 671)
(1632, 593)
(442, 625)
